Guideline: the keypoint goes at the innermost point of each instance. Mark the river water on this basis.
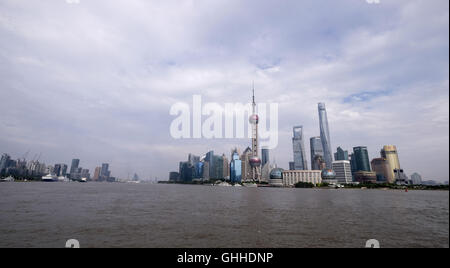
(39, 214)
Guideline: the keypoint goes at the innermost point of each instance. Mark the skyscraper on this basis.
(381, 167)
(340, 154)
(325, 135)
(416, 178)
(104, 172)
(299, 149)
(74, 166)
(246, 169)
(315, 144)
(235, 167)
(97, 173)
(265, 156)
(389, 152)
(361, 157)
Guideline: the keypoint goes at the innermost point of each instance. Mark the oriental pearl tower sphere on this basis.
(255, 161)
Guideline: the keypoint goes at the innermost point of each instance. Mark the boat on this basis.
(8, 179)
(49, 178)
(250, 184)
(223, 183)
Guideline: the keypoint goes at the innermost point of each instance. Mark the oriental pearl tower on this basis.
(255, 161)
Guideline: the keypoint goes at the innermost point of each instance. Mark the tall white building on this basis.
(343, 171)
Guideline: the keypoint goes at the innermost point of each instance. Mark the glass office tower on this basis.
(299, 149)
(325, 135)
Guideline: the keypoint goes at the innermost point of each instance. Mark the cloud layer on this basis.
(95, 80)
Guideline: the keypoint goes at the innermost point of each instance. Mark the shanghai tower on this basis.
(325, 135)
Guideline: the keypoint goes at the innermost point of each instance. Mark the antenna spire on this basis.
(253, 91)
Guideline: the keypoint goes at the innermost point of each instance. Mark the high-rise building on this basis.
(4, 162)
(353, 163)
(315, 144)
(318, 163)
(235, 167)
(340, 154)
(343, 171)
(381, 167)
(225, 167)
(74, 166)
(361, 157)
(264, 156)
(325, 135)
(210, 159)
(186, 171)
(205, 173)
(389, 152)
(97, 173)
(291, 166)
(246, 168)
(299, 149)
(416, 178)
(85, 174)
(104, 172)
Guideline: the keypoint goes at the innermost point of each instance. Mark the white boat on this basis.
(9, 179)
(49, 178)
(223, 183)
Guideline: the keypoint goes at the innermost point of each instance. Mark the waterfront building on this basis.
(97, 173)
(235, 167)
(365, 176)
(85, 174)
(325, 135)
(74, 167)
(361, 158)
(292, 177)
(298, 145)
(210, 159)
(291, 166)
(205, 173)
(246, 168)
(315, 145)
(225, 167)
(174, 176)
(389, 152)
(276, 177)
(416, 178)
(343, 171)
(187, 171)
(383, 170)
(264, 156)
(104, 172)
(340, 154)
(318, 163)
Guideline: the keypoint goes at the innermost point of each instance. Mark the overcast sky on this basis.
(95, 79)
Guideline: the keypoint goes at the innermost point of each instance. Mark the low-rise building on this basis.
(292, 177)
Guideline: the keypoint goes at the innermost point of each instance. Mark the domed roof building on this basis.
(328, 174)
(276, 177)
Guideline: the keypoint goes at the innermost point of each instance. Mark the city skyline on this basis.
(82, 82)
